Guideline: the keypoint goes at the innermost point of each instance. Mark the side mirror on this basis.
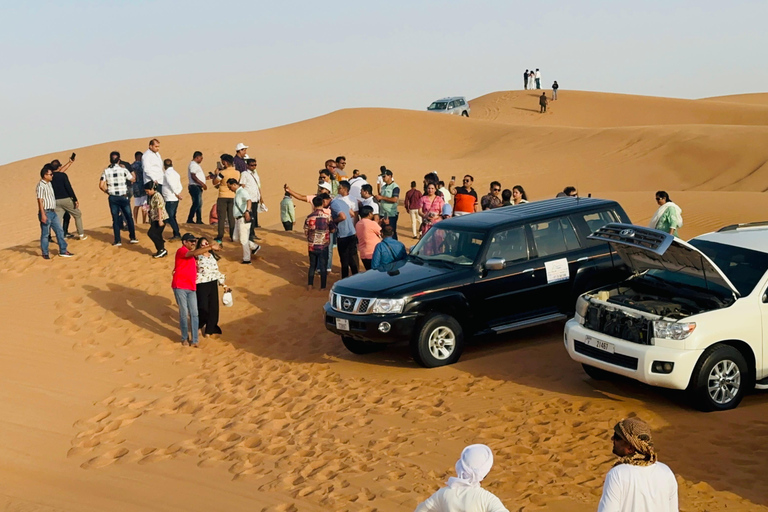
(495, 264)
(765, 298)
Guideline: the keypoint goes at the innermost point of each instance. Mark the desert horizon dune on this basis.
(102, 409)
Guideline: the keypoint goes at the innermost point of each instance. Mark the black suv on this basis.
(489, 272)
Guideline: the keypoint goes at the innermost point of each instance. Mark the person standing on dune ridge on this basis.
(537, 76)
(555, 87)
(637, 482)
(543, 103)
(525, 80)
(46, 205)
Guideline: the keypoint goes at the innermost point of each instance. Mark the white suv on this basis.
(692, 316)
(456, 105)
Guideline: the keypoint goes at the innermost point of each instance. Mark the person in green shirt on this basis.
(388, 199)
(287, 212)
(242, 210)
(669, 216)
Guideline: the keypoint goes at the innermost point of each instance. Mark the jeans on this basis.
(241, 235)
(393, 223)
(155, 233)
(318, 261)
(225, 210)
(415, 222)
(64, 206)
(196, 210)
(51, 222)
(348, 255)
(538, 83)
(121, 205)
(187, 301)
(171, 207)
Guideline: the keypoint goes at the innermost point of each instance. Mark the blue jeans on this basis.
(171, 207)
(52, 221)
(120, 205)
(196, 210)
(187, 301)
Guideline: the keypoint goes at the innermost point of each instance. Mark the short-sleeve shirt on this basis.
(44, 191)
(116, 178)
(229, 172)
(368, 236)
(370, 202)
(464, 200)
(346, 228)
(413, 199)
(241, 202)
(195, 170)
(184, 271)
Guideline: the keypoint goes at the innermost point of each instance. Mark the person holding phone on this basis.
(67, 204)
(226, 202)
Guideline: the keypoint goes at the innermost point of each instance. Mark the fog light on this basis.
(384, 327)
(662, 367)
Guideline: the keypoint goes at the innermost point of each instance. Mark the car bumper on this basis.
(366, 327)
(632, 360)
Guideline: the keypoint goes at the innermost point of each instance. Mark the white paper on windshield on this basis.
(557, 270)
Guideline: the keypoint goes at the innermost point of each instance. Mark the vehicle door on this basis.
(503, 295)
(557, 251)
(452, 107)
(598, 264)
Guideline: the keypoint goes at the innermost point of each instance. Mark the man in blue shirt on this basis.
(387, 251)
(344, 212)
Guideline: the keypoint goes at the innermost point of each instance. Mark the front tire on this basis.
(439, 342)
(465, 114)
(360, 347)
(719, 380)
(596, 373)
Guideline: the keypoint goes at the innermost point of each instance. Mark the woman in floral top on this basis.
(208, 281)
(431, 207)
(157, 217)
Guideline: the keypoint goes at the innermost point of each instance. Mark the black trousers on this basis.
(366, 263)
(318, 261)
(208, 307)
(196, 210)
(288, 225)
(155, 233)
(393, 223)
(225, 207)
(348, 255)
(254, 220)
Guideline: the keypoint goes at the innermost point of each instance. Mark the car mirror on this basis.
(765, 298)
(495, 264)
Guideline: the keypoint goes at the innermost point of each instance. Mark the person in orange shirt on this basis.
(368, 235)
(464, 197)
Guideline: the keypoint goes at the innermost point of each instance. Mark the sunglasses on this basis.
(466, 181)
(497, 190)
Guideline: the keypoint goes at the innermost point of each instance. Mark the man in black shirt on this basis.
(66, 200)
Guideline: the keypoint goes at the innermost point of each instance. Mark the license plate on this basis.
(600, 344)
(342, 324)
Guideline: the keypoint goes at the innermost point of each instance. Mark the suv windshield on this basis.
(438, 105)
(744, 267)
(449, 245)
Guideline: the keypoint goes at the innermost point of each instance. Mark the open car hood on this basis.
(645, 249)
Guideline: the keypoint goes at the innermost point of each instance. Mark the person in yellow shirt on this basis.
(226, 202)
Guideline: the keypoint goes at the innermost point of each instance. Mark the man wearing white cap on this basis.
(463, 492)
(240, 156)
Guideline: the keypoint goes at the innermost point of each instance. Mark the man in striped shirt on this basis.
(46, 203)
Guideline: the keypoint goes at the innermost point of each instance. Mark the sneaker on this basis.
(117, 244)
(134, 241)
(83, 237)
(245, 262)
(66, 254)
(257, 249)
(46, 257)
(69, 235)
(184, 343)
(160, 254)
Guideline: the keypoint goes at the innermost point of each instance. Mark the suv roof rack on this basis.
(734, 227)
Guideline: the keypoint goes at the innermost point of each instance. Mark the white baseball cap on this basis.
(326, 186)
(240, 146)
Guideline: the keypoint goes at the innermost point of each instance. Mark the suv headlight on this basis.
(582, 304)
(388, 306)
(672, 330)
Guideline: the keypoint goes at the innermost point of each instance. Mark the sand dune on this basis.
(759, 98)
(101, 409)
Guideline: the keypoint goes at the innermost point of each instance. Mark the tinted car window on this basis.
(743, 267)
(438, 105)
(554, 236)
(453, 246)
(597, 220)
(510, 244)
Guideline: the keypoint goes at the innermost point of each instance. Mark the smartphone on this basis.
(453, 178)
(219, 165)
(73, 157)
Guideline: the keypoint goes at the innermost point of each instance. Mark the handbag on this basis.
(226, 299)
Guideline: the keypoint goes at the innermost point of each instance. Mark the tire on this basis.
(439, 341)
(725, 369)
(596, 373)
(465, 114)
(360, 347)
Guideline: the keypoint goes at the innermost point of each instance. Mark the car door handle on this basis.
(585, 258)
(529, 270)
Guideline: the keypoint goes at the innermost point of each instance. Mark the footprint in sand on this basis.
(100, 357)
(106, 459)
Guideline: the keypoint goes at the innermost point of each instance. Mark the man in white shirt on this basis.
(249, 179)
(447, 197)
(538, 78)
(355, 184)
(367, 199)
(172, 193)
(637, 482)
(152, 163)
(196, 187)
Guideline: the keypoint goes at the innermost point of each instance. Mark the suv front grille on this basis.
(619, 324)
(350, 304)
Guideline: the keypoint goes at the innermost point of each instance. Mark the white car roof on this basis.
(748, 237)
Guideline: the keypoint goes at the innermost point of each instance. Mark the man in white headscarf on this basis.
(463, 493)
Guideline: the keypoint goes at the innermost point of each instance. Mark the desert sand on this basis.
(102, 409)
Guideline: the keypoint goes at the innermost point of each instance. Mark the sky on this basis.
(77, 72)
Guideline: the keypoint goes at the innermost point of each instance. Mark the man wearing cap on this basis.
(240, 164)
(637, 482)
(184, 284)
(388, 198)
(152, 163)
